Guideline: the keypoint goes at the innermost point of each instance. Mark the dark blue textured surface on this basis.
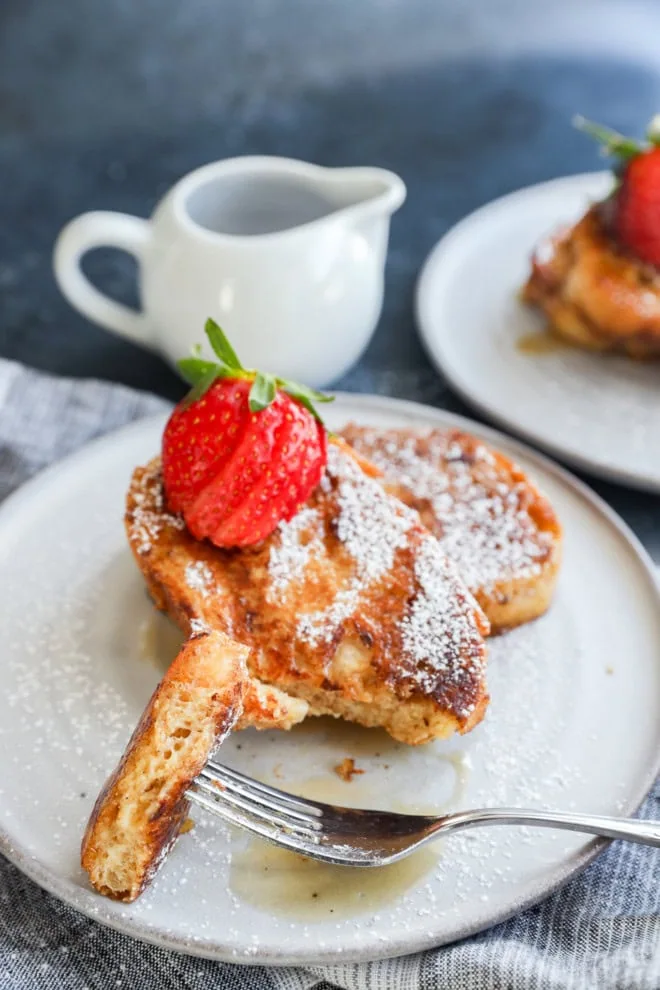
(104, 106)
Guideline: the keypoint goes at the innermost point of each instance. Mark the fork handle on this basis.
(631, 829)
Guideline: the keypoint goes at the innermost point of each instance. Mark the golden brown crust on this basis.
(595, 294)
(142, 806)
(491, 520)
(350, 607)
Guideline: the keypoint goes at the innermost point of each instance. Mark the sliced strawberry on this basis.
(313, 466)
(243, 451)
(199, 440)
(238, 475)
(295, 470)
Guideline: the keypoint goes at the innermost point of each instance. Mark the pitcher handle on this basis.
(101, 229)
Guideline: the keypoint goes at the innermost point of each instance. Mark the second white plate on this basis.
(598, 412)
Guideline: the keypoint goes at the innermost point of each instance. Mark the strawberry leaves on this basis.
(202, 384)
(262, 392)
(265, 388)
(613, 144)
(653, 131)
(221, 346)
(618, 145)
(201, 374)
(194, 369)
(305, 396)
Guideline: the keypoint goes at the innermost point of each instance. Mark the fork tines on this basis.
(264, 810)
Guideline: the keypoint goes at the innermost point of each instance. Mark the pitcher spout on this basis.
(365, 189)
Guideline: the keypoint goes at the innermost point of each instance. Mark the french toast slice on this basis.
(594, 293)
(490, 519)
(139, 812)
(351, 608)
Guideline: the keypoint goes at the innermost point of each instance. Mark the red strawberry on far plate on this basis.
(637, 218)
(243, 451)
(634, 208)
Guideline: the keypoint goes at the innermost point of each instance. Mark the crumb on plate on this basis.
(347, 769)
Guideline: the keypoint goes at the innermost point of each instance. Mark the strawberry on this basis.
(637, 216)
(243, 451)
(633, 211)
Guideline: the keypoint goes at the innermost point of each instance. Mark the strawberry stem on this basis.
(612, 142)
(201, 374)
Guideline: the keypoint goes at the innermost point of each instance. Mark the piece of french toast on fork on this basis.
(141, 808)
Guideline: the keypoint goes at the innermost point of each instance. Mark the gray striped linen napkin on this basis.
(602, 930)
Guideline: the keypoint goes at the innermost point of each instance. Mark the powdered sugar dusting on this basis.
(317, 627)
(199, 577)
(148, 514)
(372, 527)
(300, 540)
(198, 627)
(441, 641)
(483, 525)
(439, 632)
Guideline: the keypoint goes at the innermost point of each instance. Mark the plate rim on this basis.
(434, 347)
(93, 906)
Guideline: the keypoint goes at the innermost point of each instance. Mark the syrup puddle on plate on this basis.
(541, 342)
(283, 883)
(286, 884)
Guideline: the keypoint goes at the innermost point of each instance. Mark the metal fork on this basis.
(351, 837)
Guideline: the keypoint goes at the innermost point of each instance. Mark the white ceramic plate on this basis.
(598, 412)
(574, 722)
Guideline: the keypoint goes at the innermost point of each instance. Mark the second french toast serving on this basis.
(595, 294)
(598, 282)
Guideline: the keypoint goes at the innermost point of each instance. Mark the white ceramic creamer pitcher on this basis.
(286, 256)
